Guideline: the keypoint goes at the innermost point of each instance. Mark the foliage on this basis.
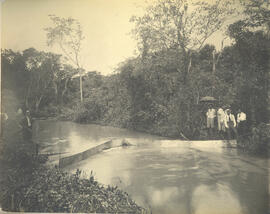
(159, 90)
(28, 185)
(257, 14)
(179, 23)
(149, 95)
(257, 141)
(52, 190)
(14, 73)
(66, 114)
(252, 52)
(41, 67)
(41, 77)
(80, 113)
(67, 34)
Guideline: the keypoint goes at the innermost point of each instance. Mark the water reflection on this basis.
(183, 180)
(180, 177)
(215, 198)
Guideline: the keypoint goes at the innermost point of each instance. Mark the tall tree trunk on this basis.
(189, 64)
(64, 90)
(81, 88)
(38, 103)
(213, 73)
(28, 94)
(198, 97)
(55, 92)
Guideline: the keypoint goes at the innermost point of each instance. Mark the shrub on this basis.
(53, 190)
(80, 113)
(66, 114)
(257, 141)
(28, 185)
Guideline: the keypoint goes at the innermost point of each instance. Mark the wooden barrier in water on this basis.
(214, 144)
(92, 151)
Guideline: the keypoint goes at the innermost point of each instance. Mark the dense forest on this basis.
(159, 90)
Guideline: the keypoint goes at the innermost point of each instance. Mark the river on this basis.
(166, 176)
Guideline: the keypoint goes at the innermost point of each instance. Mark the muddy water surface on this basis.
(166, 176)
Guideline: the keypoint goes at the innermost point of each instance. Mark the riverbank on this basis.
(256, 141)
(28, 184)
(50, 189)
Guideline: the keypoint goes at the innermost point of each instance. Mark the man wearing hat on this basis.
(220, 119)
(241, 122)
(230, 123)
(27, 126)
(210, 117)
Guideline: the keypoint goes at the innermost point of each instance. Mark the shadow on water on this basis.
(170, 176)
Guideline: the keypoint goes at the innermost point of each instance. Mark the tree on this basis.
(179, 24)
(177, 30)
(257, 14)
(253, 73)
(14, 73)
(67, 34)
(254, 27)
(41, 67)
(63, 81)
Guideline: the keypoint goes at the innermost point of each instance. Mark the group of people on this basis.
(17, 130)
(226, 122)
(23, 123)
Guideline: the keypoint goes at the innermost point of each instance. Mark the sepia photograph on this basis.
(135, 106)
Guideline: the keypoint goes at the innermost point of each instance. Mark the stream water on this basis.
(166, 176)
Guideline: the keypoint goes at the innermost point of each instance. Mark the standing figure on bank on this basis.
(220, 119)
(210, 119)
(230, 124)
(241, 122)
(27, 126)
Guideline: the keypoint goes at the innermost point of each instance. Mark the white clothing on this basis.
(28, 121)
(220, 119)
(229, 118)
(211, 113)
(221, 114)
(241, 117)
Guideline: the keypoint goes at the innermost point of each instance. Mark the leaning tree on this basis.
(67, 34)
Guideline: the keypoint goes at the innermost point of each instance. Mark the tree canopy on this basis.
(159, 90)
(67, 34)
